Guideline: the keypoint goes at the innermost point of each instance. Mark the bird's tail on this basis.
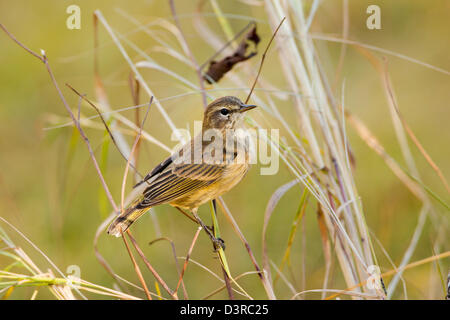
(125, 219)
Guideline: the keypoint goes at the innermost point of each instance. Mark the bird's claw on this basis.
(219, 243)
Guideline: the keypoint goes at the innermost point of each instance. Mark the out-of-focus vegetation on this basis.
(49, 189)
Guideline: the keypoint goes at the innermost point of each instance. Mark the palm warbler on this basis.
(209, 165)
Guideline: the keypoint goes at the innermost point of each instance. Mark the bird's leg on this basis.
(217, 242)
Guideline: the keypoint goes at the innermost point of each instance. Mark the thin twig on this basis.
(136, 141)
(262, 60)
(150, 267)
(44, 60)
(98, 255)
(135, 88)
(106, 127)
(186, 261)
(136, 268)
(176, 261)
(187, 215)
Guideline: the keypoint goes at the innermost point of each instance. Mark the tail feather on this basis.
(124, 220)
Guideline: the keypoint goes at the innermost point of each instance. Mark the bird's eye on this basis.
(224, 111)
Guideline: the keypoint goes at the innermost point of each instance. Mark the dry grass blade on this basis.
(302, 68)
(273, 201)
(375, 48)
(224, 286)
(368, 137)
(410, 250)
(340, 292)
(399, 121)
(60, 287)
(138, 76)
(326, 245)
(345, 31)
(189, 52)
(297, 219)
(283, 277)
(389, 90)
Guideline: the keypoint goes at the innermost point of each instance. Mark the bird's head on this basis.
(225, 113)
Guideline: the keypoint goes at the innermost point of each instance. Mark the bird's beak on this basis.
(246, 107)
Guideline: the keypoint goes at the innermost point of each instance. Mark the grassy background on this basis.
(50, 191)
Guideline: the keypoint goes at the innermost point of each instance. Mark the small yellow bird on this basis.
(186, 182)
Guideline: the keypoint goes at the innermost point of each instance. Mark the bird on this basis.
(206, 167)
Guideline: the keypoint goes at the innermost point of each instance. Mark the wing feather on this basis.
(175, 181)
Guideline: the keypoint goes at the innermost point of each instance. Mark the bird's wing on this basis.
(178, 180)
(178, 157)
(158, 169)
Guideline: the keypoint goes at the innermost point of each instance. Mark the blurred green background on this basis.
(51, 192)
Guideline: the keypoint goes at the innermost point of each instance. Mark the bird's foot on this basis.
(218, 243)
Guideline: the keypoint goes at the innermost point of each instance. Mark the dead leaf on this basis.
(217, 69)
